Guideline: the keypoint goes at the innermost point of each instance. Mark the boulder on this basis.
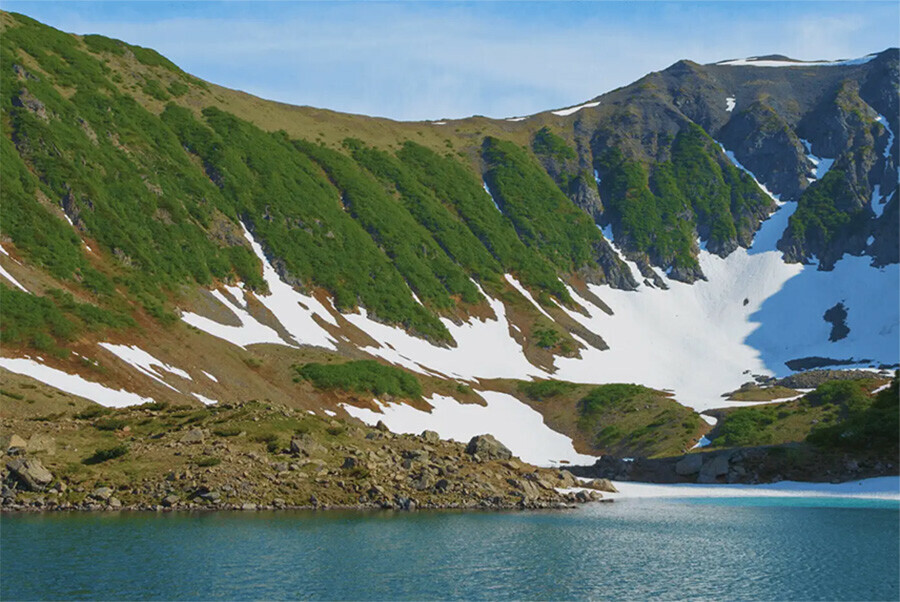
(30, 473)
(689, 465)
(431, 436)
(602, 485)
(193, 436)
(102, 493)
(306, 445)
(381, 426)
(169, 501)
(486, 447)
(41, 443)
(713, 469)
(16, 445)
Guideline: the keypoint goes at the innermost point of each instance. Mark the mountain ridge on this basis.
(148, 209)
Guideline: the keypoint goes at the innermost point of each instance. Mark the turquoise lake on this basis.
(724, 549)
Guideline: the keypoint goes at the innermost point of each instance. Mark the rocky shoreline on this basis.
(750, 466)
(255, 456)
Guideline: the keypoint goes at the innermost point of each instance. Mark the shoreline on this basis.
(874, 488)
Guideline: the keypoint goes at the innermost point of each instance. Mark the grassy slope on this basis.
(830, 406)
(618, 419)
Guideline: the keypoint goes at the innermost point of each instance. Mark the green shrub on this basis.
(540, 390)
(607, 396)
(363, 376)
(110, 424)
(93, 412)
(207, 461)
(745, 427)
(103, 455)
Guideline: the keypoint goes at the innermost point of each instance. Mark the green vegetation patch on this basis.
(363, 376)
(636, 420)
(837, 415)
(540, 390)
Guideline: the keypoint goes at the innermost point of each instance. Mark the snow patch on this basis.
(250, 332)
(710, 420)
(205, 400)
(755, 62)
(572, 110)
(491, 194)
(876, 488)
(10, 277)
(512, 422)
(525, 293)
(730, 103)
(73, 383)
(516, 118)
(145, 363)
(877, 203)
(210, 376)
(820, 164)
(702, 443)
(295, 311)
(737, 164)
(887, 147)
(484, 348)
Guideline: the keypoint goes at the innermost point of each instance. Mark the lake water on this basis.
(748, 548)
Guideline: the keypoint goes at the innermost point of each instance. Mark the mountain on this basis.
(168, 239)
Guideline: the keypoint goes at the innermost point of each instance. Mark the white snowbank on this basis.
(210, 376)
(512, 422)
(295, 311)
(820, 164)
(571, 110)
(710, 420)
(876, 488)
(144, 362)
(516, 118)
(730, 103)
(737, 164)
(10, 277)
(250, 331)
(205, 400)
(491, 194)
(72, 383)
(484, 348)
(524, 292)
(887, 147)
(702, 443)
(755, 62)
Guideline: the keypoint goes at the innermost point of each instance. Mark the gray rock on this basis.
(431, 436)
(381, 426)
(15, 445)
(602, 485)
(306, 445)
(690, 464)
(114, 502)
(486, 447)
(169, 501)
(102, 493)
(193, 436)
(713, 469)
(30, 473)
(349, 462)
(248, 506)
(41, 443)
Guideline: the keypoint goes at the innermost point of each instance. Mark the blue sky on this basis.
(429, 60)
